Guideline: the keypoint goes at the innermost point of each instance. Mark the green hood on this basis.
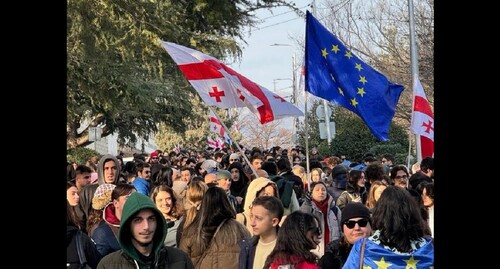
(135, 202)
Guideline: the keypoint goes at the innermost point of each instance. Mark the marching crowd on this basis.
(220, 209)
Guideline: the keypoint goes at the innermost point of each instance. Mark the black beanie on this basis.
(339, 169)
(355, 210)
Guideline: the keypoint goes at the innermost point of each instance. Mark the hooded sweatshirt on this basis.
(128, 257)
(255, 186)
(88, 191)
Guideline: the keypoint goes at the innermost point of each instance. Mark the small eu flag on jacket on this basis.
(334, 73)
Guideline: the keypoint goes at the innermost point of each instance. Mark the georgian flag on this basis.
(218, 143)
(221, 86)
(216, 127)
(422, 122)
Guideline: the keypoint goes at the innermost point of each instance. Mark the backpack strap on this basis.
(79, 248)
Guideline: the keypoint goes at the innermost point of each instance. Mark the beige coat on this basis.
(222, 252)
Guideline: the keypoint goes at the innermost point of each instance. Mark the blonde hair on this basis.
(194, 196)
(370, 201)
(300, 171)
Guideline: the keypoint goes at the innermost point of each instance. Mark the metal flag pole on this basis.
(414, 76)
(234, 142)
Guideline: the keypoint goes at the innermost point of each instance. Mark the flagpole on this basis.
(414, 77)
(234, 142)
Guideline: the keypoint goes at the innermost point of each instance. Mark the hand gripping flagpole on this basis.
(234, 142)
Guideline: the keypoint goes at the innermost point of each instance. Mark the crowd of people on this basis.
(220, 209)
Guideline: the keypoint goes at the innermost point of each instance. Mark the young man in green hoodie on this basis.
(141, 236)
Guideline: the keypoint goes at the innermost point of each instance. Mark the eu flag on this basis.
(334, 73)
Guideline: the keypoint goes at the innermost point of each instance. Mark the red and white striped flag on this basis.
(221, 86)
(422, 122)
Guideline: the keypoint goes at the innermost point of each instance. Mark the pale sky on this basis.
(263, 63)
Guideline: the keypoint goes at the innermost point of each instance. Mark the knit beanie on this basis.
(355, 210)
(102, 196)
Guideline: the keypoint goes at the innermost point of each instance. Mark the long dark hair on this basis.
(164, 176)
(215, 208)
(71, 217)
(292, 241)
(397, 216)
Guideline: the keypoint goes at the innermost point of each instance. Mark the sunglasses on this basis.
(351, 223)
(401, 177)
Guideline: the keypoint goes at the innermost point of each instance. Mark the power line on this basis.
(278, 23)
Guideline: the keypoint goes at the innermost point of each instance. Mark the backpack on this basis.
(285, 189)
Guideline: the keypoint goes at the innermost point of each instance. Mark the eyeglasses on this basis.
(154, 158)
(315, 230)
(401, 177)
(351, 223)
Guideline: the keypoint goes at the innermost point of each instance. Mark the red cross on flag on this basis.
(216, 127)
(422, 122)
(221, 86)
(218, 143)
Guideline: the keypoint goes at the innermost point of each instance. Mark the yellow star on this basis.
(341, 91)
(348, 54)
(333, 78)
(362, 79)
(335, 48)
(361, 91)
(382, 264)
(324, 53)
(354, 103)
(359, 67)
(411, 263)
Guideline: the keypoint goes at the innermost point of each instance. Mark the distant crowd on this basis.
(250, 209)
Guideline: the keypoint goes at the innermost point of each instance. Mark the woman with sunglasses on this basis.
(399, 239)
(356, 224)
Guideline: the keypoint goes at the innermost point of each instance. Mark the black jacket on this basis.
(91, 254)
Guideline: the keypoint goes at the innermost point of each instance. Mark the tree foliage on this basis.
(198, 128)
(264, 136)
(81, 155)
(352, 136)
(118, 75)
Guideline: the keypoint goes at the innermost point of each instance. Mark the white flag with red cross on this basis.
(221, 86)
(422, 122)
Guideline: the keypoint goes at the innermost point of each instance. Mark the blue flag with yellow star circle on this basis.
(334, 73)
